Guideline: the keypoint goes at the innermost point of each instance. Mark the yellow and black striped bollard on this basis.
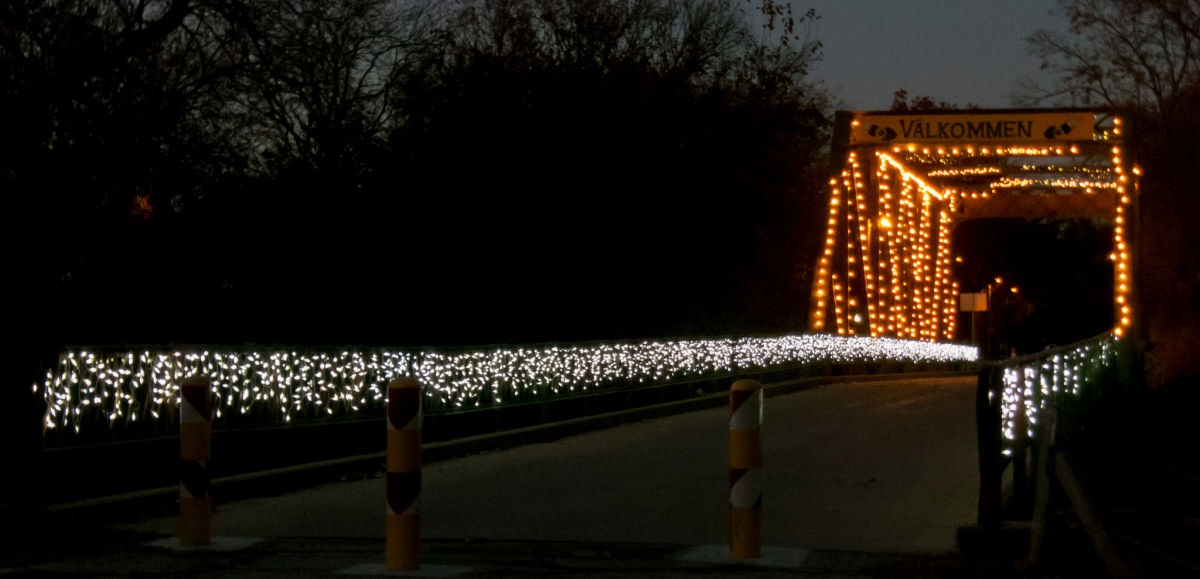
(403, 534)
(745, 461)
(195, 450)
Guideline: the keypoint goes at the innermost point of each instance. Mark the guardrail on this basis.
(1013, 395)
(134, 392)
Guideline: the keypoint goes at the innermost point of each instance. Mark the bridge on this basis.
(885, 289)
(885, 301)
(869, 475)
(907, 181)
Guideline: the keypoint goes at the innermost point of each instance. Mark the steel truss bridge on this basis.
(907, 180)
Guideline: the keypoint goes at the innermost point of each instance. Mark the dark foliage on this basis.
(367, 171)
(1140, 57)
(1061, 275)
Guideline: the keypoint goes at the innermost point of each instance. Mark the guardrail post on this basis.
(745, 462)
(195, 450)
(1043, 477)
(987, 423)
(403, 524)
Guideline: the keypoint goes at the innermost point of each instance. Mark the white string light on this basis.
(1045, 377)
(89, 389)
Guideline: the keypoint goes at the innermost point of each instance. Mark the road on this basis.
(883, 466)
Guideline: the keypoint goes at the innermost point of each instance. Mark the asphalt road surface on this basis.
(881, 466)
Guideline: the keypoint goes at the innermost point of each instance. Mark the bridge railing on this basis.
(120, 393)
(1012, 396)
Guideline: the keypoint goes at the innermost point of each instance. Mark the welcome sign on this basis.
(968, 128)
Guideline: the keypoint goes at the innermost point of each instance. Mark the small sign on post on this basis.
(973, 302)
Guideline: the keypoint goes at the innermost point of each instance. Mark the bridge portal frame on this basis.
(902, 181)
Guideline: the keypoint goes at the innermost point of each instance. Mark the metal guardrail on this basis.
(1011, 398)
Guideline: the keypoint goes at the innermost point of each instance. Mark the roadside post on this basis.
(403, 531)
(195, 450)
(745, 462)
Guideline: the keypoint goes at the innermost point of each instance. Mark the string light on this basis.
(1067, 371)
(964, 172)
(889, 257)
(1052, 183)
(1123, 292)
(895, 257)
(890, 161)
(90, 389)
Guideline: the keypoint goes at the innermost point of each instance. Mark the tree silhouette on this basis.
(901, 102)
(1141, 58)
(634, 160)
(651, 155)
(295, 171)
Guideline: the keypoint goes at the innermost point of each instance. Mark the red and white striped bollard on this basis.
(195, 450)
(745, 462)
(403, 532)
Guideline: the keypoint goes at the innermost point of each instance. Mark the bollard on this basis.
(403, 532)
(745, 461)
(195, 450)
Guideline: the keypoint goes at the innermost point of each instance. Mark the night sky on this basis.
(959, 52)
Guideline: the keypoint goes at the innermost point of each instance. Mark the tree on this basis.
(1142, 57)
(96, 129)
(318, 80)
(262, 171)
(1139, 54)
(651, 154)
(142, 127)
(102, 145)
(108, 148)
(901, 102)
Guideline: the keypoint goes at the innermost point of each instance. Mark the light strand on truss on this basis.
(885, 269)
(1121, 255)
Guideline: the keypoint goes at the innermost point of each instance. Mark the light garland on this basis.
(965, 172)
(1030, 384)
(1121, 256)
(885, 266)
(1053, 183)
(893, 256)
(90, 390)
(890, 162)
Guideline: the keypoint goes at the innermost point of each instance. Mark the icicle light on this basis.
(1065, 371)
(89, 389)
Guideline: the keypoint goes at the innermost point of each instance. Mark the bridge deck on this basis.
(874, 466)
